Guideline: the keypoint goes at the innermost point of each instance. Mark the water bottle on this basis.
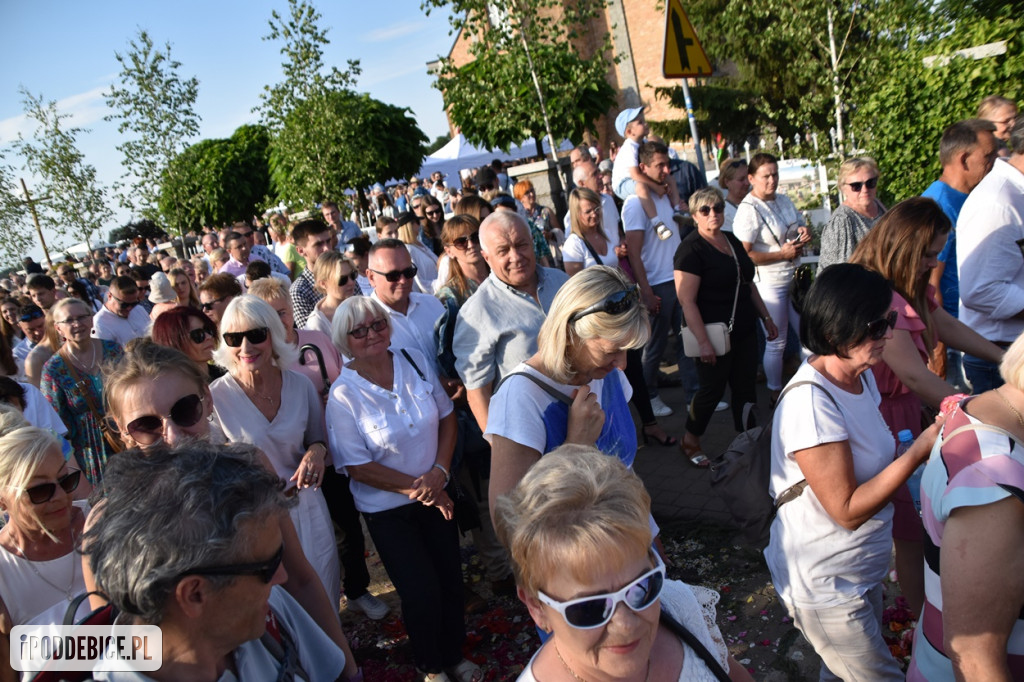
(906, 439)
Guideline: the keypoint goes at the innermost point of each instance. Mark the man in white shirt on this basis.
(121, 319)
(651, 261)
(990, 258)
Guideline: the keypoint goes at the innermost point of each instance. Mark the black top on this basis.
(717, 272)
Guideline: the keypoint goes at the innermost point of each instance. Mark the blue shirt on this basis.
(950, 201)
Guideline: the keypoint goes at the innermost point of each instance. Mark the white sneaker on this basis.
(659, 408)
(721, 406)
(373, 607)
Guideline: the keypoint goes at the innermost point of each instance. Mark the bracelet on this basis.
(321, 443)
(447, 476)
(766, 318)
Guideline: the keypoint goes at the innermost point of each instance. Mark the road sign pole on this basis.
(693, 127)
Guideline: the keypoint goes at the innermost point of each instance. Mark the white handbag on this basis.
(718, 332)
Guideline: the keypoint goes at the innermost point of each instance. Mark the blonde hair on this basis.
(407, 233)
(454, 228)
(248, 312)
(576, 510)
(705, 196)
(576, 198)
(144, 360)
(851, 166)
(559, 340)
(23, 448)
(193, 297)
(729, 170)
(328, 268)
(271, 288)
(993, 103)
(1012, 366)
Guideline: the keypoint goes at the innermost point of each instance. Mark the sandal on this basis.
(694, 454)
(466, 671)
(667, 441)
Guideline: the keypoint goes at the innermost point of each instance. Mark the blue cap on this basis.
(625, 117)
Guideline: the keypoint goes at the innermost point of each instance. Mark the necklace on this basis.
(1020, 419)
(69, 590)
(84, 366)
(251, 391)
(565, 665)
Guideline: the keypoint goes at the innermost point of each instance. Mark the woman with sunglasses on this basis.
(335, 277)
(903, 247)
(860, 210)
(577, 529)
(713, 276)
(40, 568)
(216, 292)
(187, 329)
(433, 223)
(733, 180)
(260, 401)
(73, 384)
(833, 477)
(573, 389)
(157, 395)
(392, 426)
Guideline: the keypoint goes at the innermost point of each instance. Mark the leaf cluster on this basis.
(15, 234)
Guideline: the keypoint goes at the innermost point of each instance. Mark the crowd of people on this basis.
(186, 435)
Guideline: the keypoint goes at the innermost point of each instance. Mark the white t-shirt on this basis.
(575, 251)
(39, 412)
(397, 428)
(768, 225)
(112, 327)
(730, 216)
(656, 254)
(815, 562)
(628, 157)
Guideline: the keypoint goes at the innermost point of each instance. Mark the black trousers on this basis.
(737, 369)
(352, 550)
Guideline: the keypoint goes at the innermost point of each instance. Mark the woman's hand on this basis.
(707, 353)
(310, 473)
(771, 332)
(789, 250)
(428, 487)
(650, 300)
(621, 250)
(586, 418)
(922, 447)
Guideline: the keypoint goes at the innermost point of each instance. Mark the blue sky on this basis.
(64, 50)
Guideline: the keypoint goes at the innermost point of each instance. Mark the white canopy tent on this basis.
(459, 154)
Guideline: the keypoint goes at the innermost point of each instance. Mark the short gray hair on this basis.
(174, 510)
(498, 219)
(248, 312)
(352, 311)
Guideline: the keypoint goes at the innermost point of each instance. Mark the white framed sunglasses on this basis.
(589, 613)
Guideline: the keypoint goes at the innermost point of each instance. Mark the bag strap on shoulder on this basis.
(680, 631)
(408, 357)
(983, 427)
(797, 489)
(546, 388)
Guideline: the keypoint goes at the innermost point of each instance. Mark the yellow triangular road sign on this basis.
(683, 57)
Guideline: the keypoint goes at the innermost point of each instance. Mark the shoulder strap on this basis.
(765, 221)
(797, 489)
(547, 389)
(696, 645)
(739, 281)
(405, 354)
(592, 250)
(794, 384)
(983, 427)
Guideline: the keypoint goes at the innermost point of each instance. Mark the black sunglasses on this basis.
(361, 332)
(616, 304)
(717, 208)
(207, 307)
(149, 429)
(34, 315)
(44, 492)
(125, 305)
(264, 570)
(433, 212)
(344, 279)
(396, 275)
(878, 328)
(234, 339)
(199, 335)
(462, 243)
(870, 184)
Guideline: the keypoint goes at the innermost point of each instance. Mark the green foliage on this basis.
(77, 206)
(219, 181)
(16, 237)
(147, 229)
(340, 139)
(718, 107)
(439, 141)
(904, 111)
(154, 108)
(493, 99)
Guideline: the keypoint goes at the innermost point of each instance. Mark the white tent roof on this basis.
(459, 154)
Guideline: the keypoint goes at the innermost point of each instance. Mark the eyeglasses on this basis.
(199, 335)
(75, 320)
(396, 275)
(870, 183)
(592, 211)
(44, 492)
(878, 328)
(378, 326)
(344, 279)
(616, 304)
(462, 243)
(719, 209)
(125, 305)
(149, 429)
(208, 306)
(588, 613)
(28, 317)
(264, 570)
(433, 212)
(254, 336)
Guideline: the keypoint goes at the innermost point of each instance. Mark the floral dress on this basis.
(72, 400)
(539, 220)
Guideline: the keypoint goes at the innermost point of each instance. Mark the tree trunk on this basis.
(836, 89)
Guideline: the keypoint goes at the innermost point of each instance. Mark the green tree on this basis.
(360, 140)
(439, 141)
(77, 208)
(145, 228)
(154, 107)
(16, 237)
(220, 181)
(494, 98)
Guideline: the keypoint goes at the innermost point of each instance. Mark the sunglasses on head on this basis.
(44, 492)
(870, 184)
(34, 315)
(878, 328)
(396, 275)
(254, 336)
(616, 304)
(264, 570)
(149, 428)
(361, 332)
(736, 164)
(588, 613)
(208, 306)
(718, 208)
(462, 243)
(199, 335)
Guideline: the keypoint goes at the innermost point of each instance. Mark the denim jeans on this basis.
(983, 375)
